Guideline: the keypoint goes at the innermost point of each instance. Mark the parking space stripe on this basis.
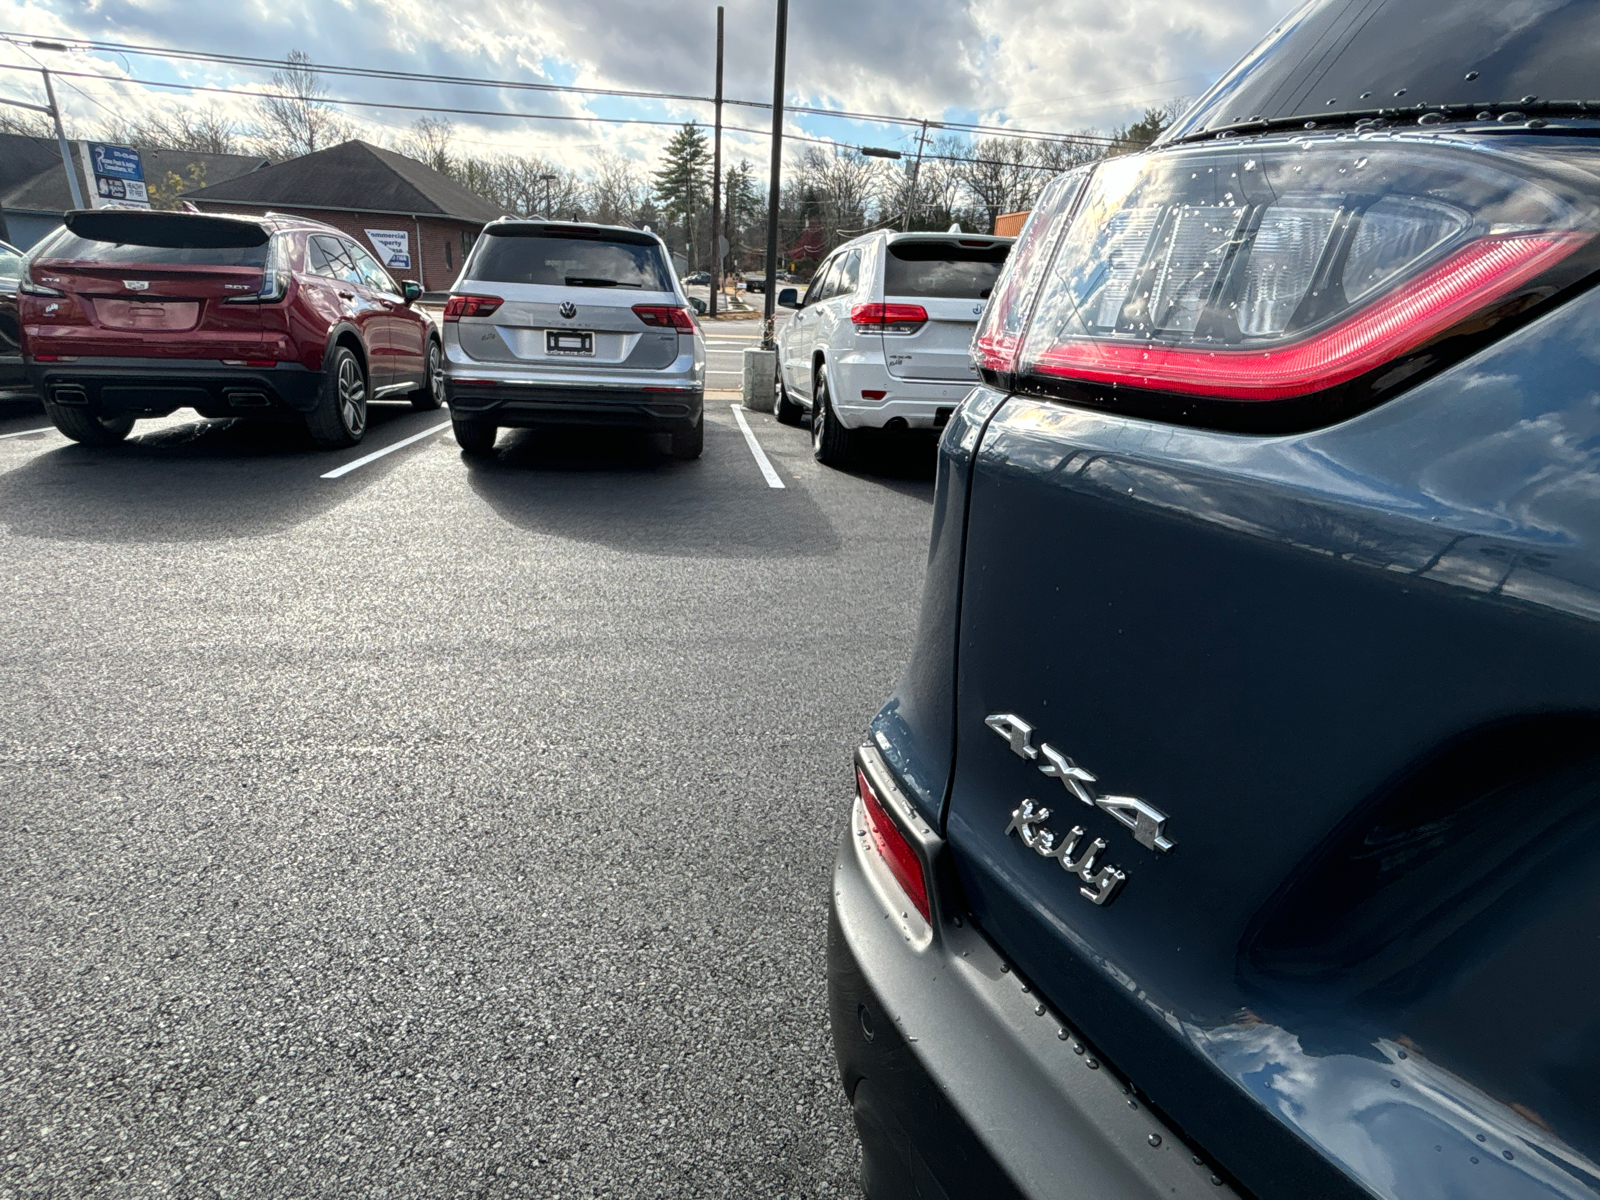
(26, 432)
(755, 448)
(377, 454)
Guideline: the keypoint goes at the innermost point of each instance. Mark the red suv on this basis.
(128, 314)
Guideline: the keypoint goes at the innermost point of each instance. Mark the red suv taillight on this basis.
(893, 848)
(457, 307)
(888, 318)
(1322, 267)
(665, 316)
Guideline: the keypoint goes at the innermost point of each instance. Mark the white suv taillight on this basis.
(888, 318)
(1332, 267)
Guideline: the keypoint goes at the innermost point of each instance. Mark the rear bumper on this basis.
(962, 1082)
(919, 404)
(154, 387)
(667, 410)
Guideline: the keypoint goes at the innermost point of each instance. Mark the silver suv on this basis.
(557, 323)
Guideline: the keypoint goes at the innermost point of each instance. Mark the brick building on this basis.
(389, 203)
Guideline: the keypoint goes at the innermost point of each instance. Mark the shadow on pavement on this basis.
(905, 462)
(197, 481)
(619, 489)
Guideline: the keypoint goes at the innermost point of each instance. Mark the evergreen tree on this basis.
(682, 182)
(742, 206)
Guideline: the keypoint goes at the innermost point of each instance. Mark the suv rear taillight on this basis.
(893, 848)
(456, 307)
(665, 316)
(998, 337)
(1320, 269)
(274, 276)
(888, 318)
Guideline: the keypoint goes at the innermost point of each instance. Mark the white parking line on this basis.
(755, 448)
(377, 454)
(26, 432)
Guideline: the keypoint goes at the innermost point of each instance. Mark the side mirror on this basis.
(789, 298)
(412, 291)
(699, 305)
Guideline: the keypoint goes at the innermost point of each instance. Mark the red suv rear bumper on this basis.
(155, 387)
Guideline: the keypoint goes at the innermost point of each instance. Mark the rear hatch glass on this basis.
(570, 262)
(1335, 57)
(951, 281)
(942, 269)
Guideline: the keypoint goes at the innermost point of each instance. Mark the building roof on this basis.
(46, 191)
(354, 176)
(23, 156)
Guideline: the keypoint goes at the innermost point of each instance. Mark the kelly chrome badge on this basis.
(1146, 822)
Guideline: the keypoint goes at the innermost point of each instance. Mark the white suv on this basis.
(881, 339)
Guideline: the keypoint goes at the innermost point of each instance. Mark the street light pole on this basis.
(547, 180)
(53, 111)
(774, 188)
(716, 183)
(61, 140)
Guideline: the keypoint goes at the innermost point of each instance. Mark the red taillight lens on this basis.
(665, 316)
(1470, 280)
(892, 846)
(1285, 270)
(998, 338)
(888, 318)
(457, 307)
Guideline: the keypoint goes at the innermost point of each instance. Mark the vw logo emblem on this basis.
(569, 309)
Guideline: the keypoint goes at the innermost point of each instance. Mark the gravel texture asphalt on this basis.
(446, 829)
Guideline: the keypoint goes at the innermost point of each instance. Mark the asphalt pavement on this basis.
(437, 828)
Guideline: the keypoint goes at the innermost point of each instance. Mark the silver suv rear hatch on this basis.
(949, 279)
(574, 298)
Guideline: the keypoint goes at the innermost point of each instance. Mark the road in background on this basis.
(725, 346)
(446, 828)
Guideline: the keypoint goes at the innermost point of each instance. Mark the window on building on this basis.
(448, 265)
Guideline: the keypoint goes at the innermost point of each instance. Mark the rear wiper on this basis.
(586, 281)
(1501, 111)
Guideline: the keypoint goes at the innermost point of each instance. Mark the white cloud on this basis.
(1054, 64)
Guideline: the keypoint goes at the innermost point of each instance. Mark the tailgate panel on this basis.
(1279, 645)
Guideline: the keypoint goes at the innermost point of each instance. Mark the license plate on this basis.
(560, 341)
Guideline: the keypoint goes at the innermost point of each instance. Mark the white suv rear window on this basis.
(943, 269)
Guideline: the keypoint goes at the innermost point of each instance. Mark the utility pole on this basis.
(774, 188)
(916, 173)
(716, 182)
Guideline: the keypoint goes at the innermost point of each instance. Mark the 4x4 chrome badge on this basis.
(1147, 823)
(1100, 884)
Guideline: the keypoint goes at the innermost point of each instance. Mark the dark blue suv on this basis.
(1236, 826)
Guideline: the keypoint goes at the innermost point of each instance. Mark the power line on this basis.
(241, 60)
(482, 112)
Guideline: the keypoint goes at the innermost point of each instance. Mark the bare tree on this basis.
(429, 143)
(24, 121)
(207, 130)
(617, 189)
(845, 186)
(298, 119)
(997, 175)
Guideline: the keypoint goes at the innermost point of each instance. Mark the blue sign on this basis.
(116, 162)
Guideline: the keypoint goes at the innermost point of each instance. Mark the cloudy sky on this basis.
(1038, 64)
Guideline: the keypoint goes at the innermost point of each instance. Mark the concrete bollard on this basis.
(760, 379)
